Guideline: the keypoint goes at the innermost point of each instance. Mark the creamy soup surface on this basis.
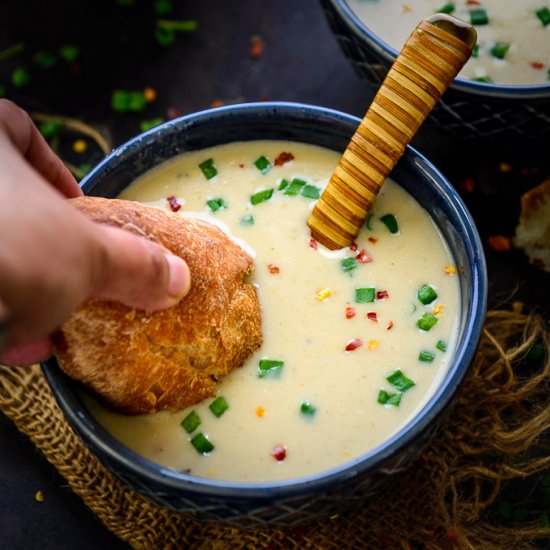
(338, 345)
(513, 44)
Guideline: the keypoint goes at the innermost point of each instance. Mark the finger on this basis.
(24, 135)
(138, 272)
(27, 354)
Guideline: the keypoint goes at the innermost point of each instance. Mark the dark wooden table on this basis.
(301, 62)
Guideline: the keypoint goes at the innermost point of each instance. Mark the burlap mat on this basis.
(445, 500)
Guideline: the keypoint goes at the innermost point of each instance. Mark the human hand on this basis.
(52, 258)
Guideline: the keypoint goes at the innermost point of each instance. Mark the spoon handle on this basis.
(430, 59)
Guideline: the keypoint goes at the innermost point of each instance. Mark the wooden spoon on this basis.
(430, 59)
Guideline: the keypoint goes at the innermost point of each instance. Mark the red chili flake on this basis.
(350, 312)
(313, 244)
(279, 452)
(373, 240)
(468, 185)
(241, 164)
(450, 534)
(283, 158)
(173, 202)
(256, 47)
(537, 65)
(382, 294)
(273, 269)
(500, 243)
(353, 247)
(390, 325)
(173, 112)
(354, 344)
(363, 257)
(217, 103)
(473, 2)
(371, 315)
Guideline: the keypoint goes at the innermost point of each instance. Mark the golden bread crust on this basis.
(141, 361)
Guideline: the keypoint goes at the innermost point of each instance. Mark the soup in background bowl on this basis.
(318, 490)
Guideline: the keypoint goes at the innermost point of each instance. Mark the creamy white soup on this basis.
(355, 341)
(513, 44)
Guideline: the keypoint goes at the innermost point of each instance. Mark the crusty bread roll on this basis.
(140, 361)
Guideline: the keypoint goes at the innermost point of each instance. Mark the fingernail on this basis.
(179, 278)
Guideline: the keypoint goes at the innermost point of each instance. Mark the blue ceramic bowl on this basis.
(468, 109)
(307, 498)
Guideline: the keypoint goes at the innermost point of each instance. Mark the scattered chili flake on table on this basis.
(382, 294)
(283, 158)
(371, 315)
(150, 94)
(390, 325)
(273, 269)
(80, 146)
(38, 496)
(217, 103)
(353, 345)
(500, 243)
(173, 203)
(260, 411)
(256, 47)
(468, 185)
(278, 452)
(350, 312)
(363, 257)
(313, 244)
(373, 240)
(173, 112)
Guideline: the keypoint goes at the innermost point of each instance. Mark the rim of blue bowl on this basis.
(492, 90)
(114, 452)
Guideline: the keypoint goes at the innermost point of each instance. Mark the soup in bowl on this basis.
(364, 348)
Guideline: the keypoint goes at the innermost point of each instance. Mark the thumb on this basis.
(138, 272)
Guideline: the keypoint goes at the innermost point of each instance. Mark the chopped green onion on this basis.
(399, 381)
(46, 60)
(208, 168)
(12, 51)
(85, 168)
(69, 53)
(263, 164)
(447, 8)
(20, 77)
(217, 204)
(479, 17)
(294, 187)
(310, 192)
(123, 101)
(307, 408)
(148, 124)
(426, 356)
(165, 37)
(261, 196)
(441, 345)
(427, 321)
(348, 264)
(475, 51)
(185, 25)
(544, 15)
(218, 406)
(270, 367)
(365, 295)
(500, 49)
(386, 398)
(202, 444)
(390, 222)
(162, 7)
(50, 129)
(486, 79)
(427, 294)
(247, 220)
(191, 422)
(283, 185)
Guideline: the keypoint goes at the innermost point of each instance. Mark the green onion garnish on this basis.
(202, 444)
(310, 192)
(447, 8)
(263, 164)
(390, 222)
(399, 381)
(208, 168)
(261, 196)
(386, 398)
(283, 185)
(46, 60)
(270, 367)
(500, 49)
(544, 15)
(148, 124)
(216, 204)
(247, 220)
(218, 406)
(427, 294)
(427, 321)
(162, 7)
(12, 51)
(20, 77)
(69, 53)
(365, 295)
(165, 37)
(426, 356)
(191, 422)
(348, 264)
(479, 17)
(50, 129)
(294, 187)
(475, 51)
(307, 408)
(123, 101)
(486, 79)
(441, 345)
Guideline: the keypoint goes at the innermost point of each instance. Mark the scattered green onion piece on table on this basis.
(399, 381)
(263, 164)
(294, 187)
(486, 79)
(270, 367)
(247, 220)
(162, 7)
(12, 51)
(427, 321)
(310, 192)
(479, 17)
(191, 422)
(365, 295)
(391, 223)
(46, 60)
(50, 128)
(165, 37)
(426, 294)
(148, 124)
(426, 356)
(183, 25)
(283, 185)
(218, 406)
(348, 264)
(441, 345)
(217, 204)
(447, 8)
(137, 102)
(261, 196)
(20, 77)
(208, 168)
(475, 51)
(69, 53)
(202, 444)
(500, 49)
(544, 15)
(307, 408)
